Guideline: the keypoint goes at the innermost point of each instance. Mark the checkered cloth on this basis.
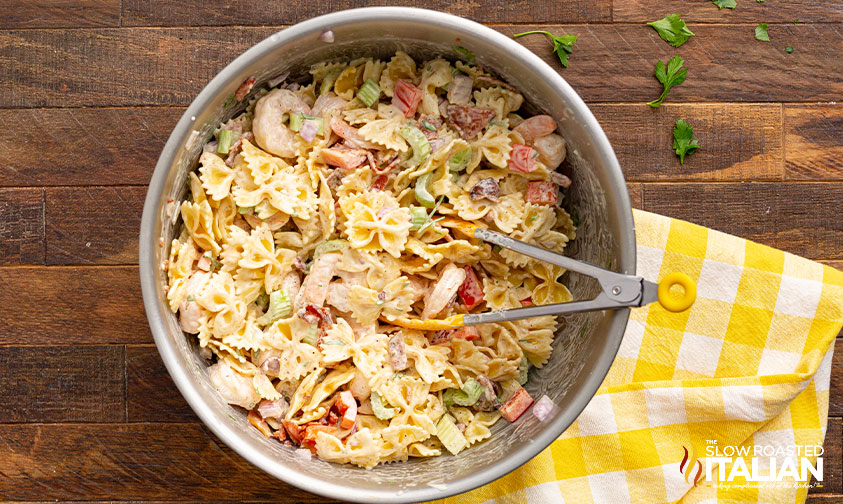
(748, 365)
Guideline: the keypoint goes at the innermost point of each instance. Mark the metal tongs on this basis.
(618, 290)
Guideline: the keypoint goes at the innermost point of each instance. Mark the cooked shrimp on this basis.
(552, 150)
(328, 106)
(315, 287)
(233, 387)
(417, 288)
(190, 314)
(440, 294)
(535, 127)
(268, 125)
(291, 284)
(338, 296)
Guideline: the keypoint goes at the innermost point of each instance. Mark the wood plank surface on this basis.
(832, 458)
(59, 13)
(814, 139)
(738, 141)
(62, 384)
(255, 12)
(21, 226)
(151, 394)
(93, 225)
(142, 66)
(109, 146)
(835, 396)
(71, 306)
(794, 217)
(133, 461)
(704, 11)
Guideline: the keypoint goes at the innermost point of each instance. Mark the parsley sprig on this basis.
(683, 140)
(671, 75)
(672, 29)
(728, 4)
(761, 32)
(563, 45)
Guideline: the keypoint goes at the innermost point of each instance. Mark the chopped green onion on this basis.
(423, 196)
(427, 125)
(279, 307)
(419, 217)
(311, 336)
(229, 101)
(450, 436)
(224, 141)
(523, 370)
(419, 143)
(468, 396)
(296, 120)
(328, 81)
(246, 210)
(379, 408)
(459, 161)
(468, 55)
(329, 246)
(369, 92)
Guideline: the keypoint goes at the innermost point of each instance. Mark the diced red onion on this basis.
(543, 408)
(460, 90)
(278, 80)
(309, 129)
(210, 147)
(437, 143)
(327, 36)
(273, 409)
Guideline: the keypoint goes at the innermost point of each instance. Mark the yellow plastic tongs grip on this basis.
(677, 300)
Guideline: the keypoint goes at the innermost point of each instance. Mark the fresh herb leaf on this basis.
(788, 50)
(229, 101)
(796, 21)
(672, 30)
(683, 141)
(468, 55)
(728, 4)
(671, 75)
(761, 32)
(563, 45)
(760, 1)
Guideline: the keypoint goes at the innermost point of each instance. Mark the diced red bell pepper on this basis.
(295, 432)
(516, 405)
(442, 337)
(542, 192)
(380, 182)
(310, 432)
(406, 98)
(347, 406)
(527, 301)
(471, 292)
(522, 158)
(467, 333)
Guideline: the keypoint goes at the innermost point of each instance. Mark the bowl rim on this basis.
(149, 240)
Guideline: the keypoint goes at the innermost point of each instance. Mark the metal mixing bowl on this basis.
(584, 348)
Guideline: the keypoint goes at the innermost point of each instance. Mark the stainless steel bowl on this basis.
(584, 348)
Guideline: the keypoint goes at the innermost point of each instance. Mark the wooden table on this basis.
(91, 89)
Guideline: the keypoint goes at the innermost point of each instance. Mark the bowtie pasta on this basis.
(327, 211)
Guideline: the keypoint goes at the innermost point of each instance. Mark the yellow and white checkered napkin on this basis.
(748, 365)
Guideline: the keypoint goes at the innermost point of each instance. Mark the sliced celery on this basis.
(459, 161)
(279, 307)
(423, 196)
(523, 370)
(419, 143)
(296, 120)
(311, 335)
(468, 396)
(369, 92)
(379, 408)
(224, 141)
(450, 435)
(419, 217)
(329, 246)
(328, 82)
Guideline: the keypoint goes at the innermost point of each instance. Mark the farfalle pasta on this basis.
(329, 211)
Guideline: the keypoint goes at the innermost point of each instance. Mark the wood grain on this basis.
(255, 12)
(71, 306)
(62, 384)
(93, 225)
(810, 11)
(738, 141)
(835, 395)
(814, 139)
(832, 458)
(21, 226)
(151, 394)
(59, 13)
(636, 196)
(793, 217)
(132, 461)
(66, 147)
(142, 66)
(814, 498)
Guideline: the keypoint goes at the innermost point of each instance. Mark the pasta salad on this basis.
(328, 212)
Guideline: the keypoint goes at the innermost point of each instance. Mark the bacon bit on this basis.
(342, 157)
(299, 264)
(253, 220)
(204, 263)
(280, 434)
(471, 291)
(380, 182)
(371, 160)
(542, 192)
(469, 121)
(487, 188)
(332, 418)
(406, 98)
(522, 158)
(468, 333)
(310, 432)
(560, 180)
(435, 121)
(516, 405)
(398, 352)
(442, 337)
(237, 147)
(527, 301)
(256, 420)
(295, 432)
(244, 88)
